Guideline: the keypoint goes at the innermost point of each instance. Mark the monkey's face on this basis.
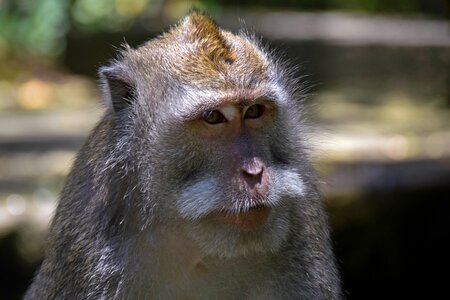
(235, 196)
(216, 135)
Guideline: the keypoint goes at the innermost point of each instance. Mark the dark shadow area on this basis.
(17, 272)
(393, 245)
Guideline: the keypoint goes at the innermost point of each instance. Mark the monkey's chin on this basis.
(250, 220)
(261, 230)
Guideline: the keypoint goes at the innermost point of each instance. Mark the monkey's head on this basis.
(209, 125)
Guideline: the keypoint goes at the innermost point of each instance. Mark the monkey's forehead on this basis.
(198, 52)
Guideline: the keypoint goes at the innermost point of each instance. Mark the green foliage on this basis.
(36, 26)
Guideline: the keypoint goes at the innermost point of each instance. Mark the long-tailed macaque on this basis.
(196, 183)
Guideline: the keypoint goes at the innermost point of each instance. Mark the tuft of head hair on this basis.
(208, 54)
(201, 29)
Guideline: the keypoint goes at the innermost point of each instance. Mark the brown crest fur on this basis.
(212, 56)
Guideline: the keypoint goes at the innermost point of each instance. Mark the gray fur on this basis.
(130, 221)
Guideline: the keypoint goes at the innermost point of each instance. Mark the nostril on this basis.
(252, 177)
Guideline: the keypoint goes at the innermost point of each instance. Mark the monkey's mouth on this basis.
(249, 219)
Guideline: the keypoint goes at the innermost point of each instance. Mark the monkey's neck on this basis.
(177, 268)
(177, 255)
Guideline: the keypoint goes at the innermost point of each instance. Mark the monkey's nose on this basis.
(253, 176)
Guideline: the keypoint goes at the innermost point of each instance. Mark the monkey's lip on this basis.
(248, 220)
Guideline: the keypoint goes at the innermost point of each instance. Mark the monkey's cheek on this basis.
(246, 221)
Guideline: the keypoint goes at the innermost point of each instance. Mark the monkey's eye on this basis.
(254, 111)
(213, 117)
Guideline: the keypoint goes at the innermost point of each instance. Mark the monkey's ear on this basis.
(117, 88)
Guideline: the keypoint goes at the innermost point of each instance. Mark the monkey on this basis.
(197, 183)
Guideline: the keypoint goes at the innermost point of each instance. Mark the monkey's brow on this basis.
(197, 109)
(247, 97)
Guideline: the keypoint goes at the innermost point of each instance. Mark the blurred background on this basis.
(379, 78)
